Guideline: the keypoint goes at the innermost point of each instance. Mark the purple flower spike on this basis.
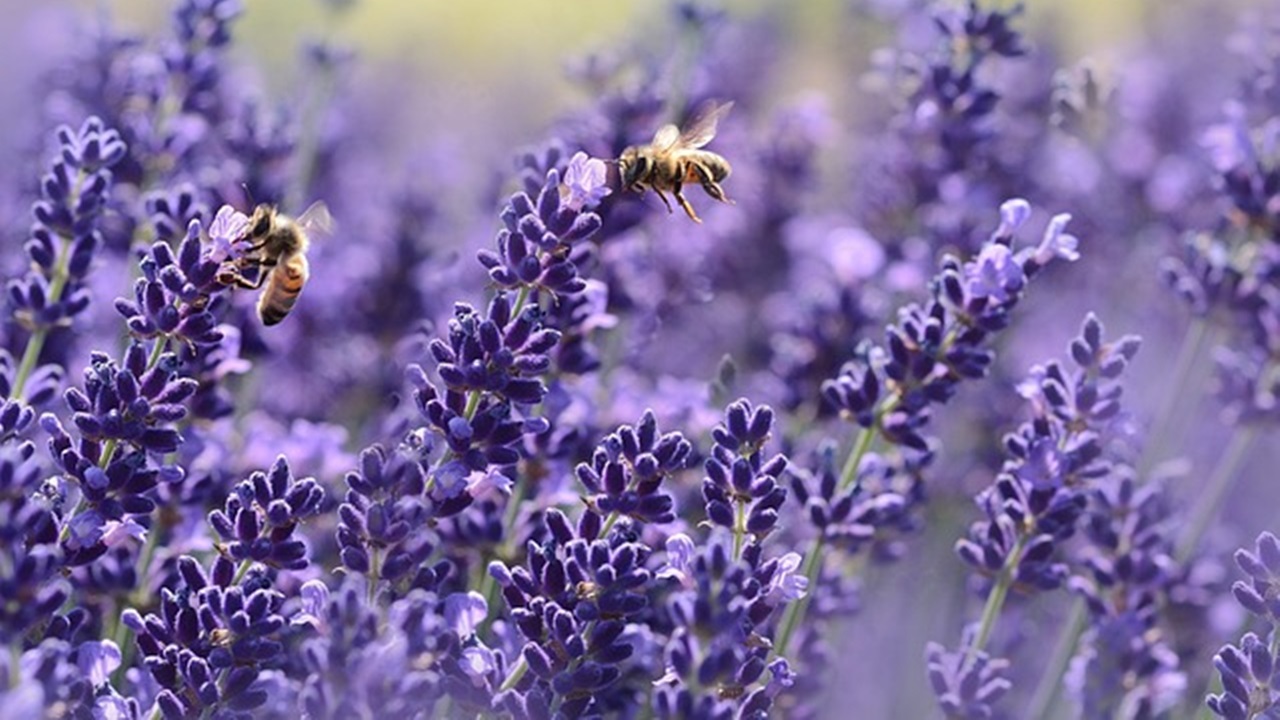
(209, 641)
(1013, 214)
(97, 660)
(172, 299)
(65, 235)
(742, 489)
(260, 517)
(680, 553)
(627, 471)
(464, 612)
(584, 183)
(536, 249)
(966, 686)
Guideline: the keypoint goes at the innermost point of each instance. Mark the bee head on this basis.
(633, 166)
(260, 223)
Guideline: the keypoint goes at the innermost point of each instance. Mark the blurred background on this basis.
(440, 97)
(480, 66)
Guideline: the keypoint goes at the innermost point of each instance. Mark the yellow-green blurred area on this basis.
(490, 39)
(453, 64)
(477, 47)
(445, 77)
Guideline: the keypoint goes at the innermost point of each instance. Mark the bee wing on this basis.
(702, 127)
(665, 138)
(316, 219)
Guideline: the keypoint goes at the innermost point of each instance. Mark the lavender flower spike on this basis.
(585, 183)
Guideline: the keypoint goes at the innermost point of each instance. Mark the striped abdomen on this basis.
(282, 289)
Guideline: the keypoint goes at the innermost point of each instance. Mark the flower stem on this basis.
(473, 402)
(1046, 694)
(489, 586)
(15, 664)
(139, 598)
(1193, 342)
(521, 298)
(995, 600)
(849, 473)
(574, 663)
(108, 452)
(795, 611)
(35, 343)
(161, 344)
(375, 563)
(517, 672)
(608, 523)
(739, 527)
(241, 571)
(1215, 492)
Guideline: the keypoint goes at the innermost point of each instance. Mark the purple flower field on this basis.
(950, 391)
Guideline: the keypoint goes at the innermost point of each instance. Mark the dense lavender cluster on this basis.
(530, 447)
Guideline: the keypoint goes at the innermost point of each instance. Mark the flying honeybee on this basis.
(278, 251)
(673, 159)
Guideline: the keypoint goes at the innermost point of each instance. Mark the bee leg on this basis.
(233, 277)
(664, 199)
(711, 187)
(685, 204)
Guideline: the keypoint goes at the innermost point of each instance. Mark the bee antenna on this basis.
(247, 194)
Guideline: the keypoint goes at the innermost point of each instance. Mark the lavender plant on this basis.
(630, 466)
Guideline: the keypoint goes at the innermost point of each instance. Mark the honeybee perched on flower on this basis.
(277, 249)
(674, 158)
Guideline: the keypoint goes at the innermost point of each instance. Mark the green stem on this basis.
(995, 600)
(1215, 492)
(521, 298)
(108, 452)
(517, 672)
(375, 564)
(1050, 685)
(140, 599)
(608, 523)
(120, 635)
(15, 664)
(473, 403)
(241, 571)
(161, 344)
(489, 586)
(849, 473)
(468, 412)
(796, 610)
(573, 664)
(226, 673)
(57, 285)
(1193, 342)
(739, 527)
(35, 344)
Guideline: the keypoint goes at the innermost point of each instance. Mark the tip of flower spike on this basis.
(1057, 243)
(585, 182)
(226, 230)
(1013, 214)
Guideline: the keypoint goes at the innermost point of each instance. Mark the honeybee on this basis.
(673, 158)
(278, 251)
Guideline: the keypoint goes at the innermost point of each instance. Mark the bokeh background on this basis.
(439, 97)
